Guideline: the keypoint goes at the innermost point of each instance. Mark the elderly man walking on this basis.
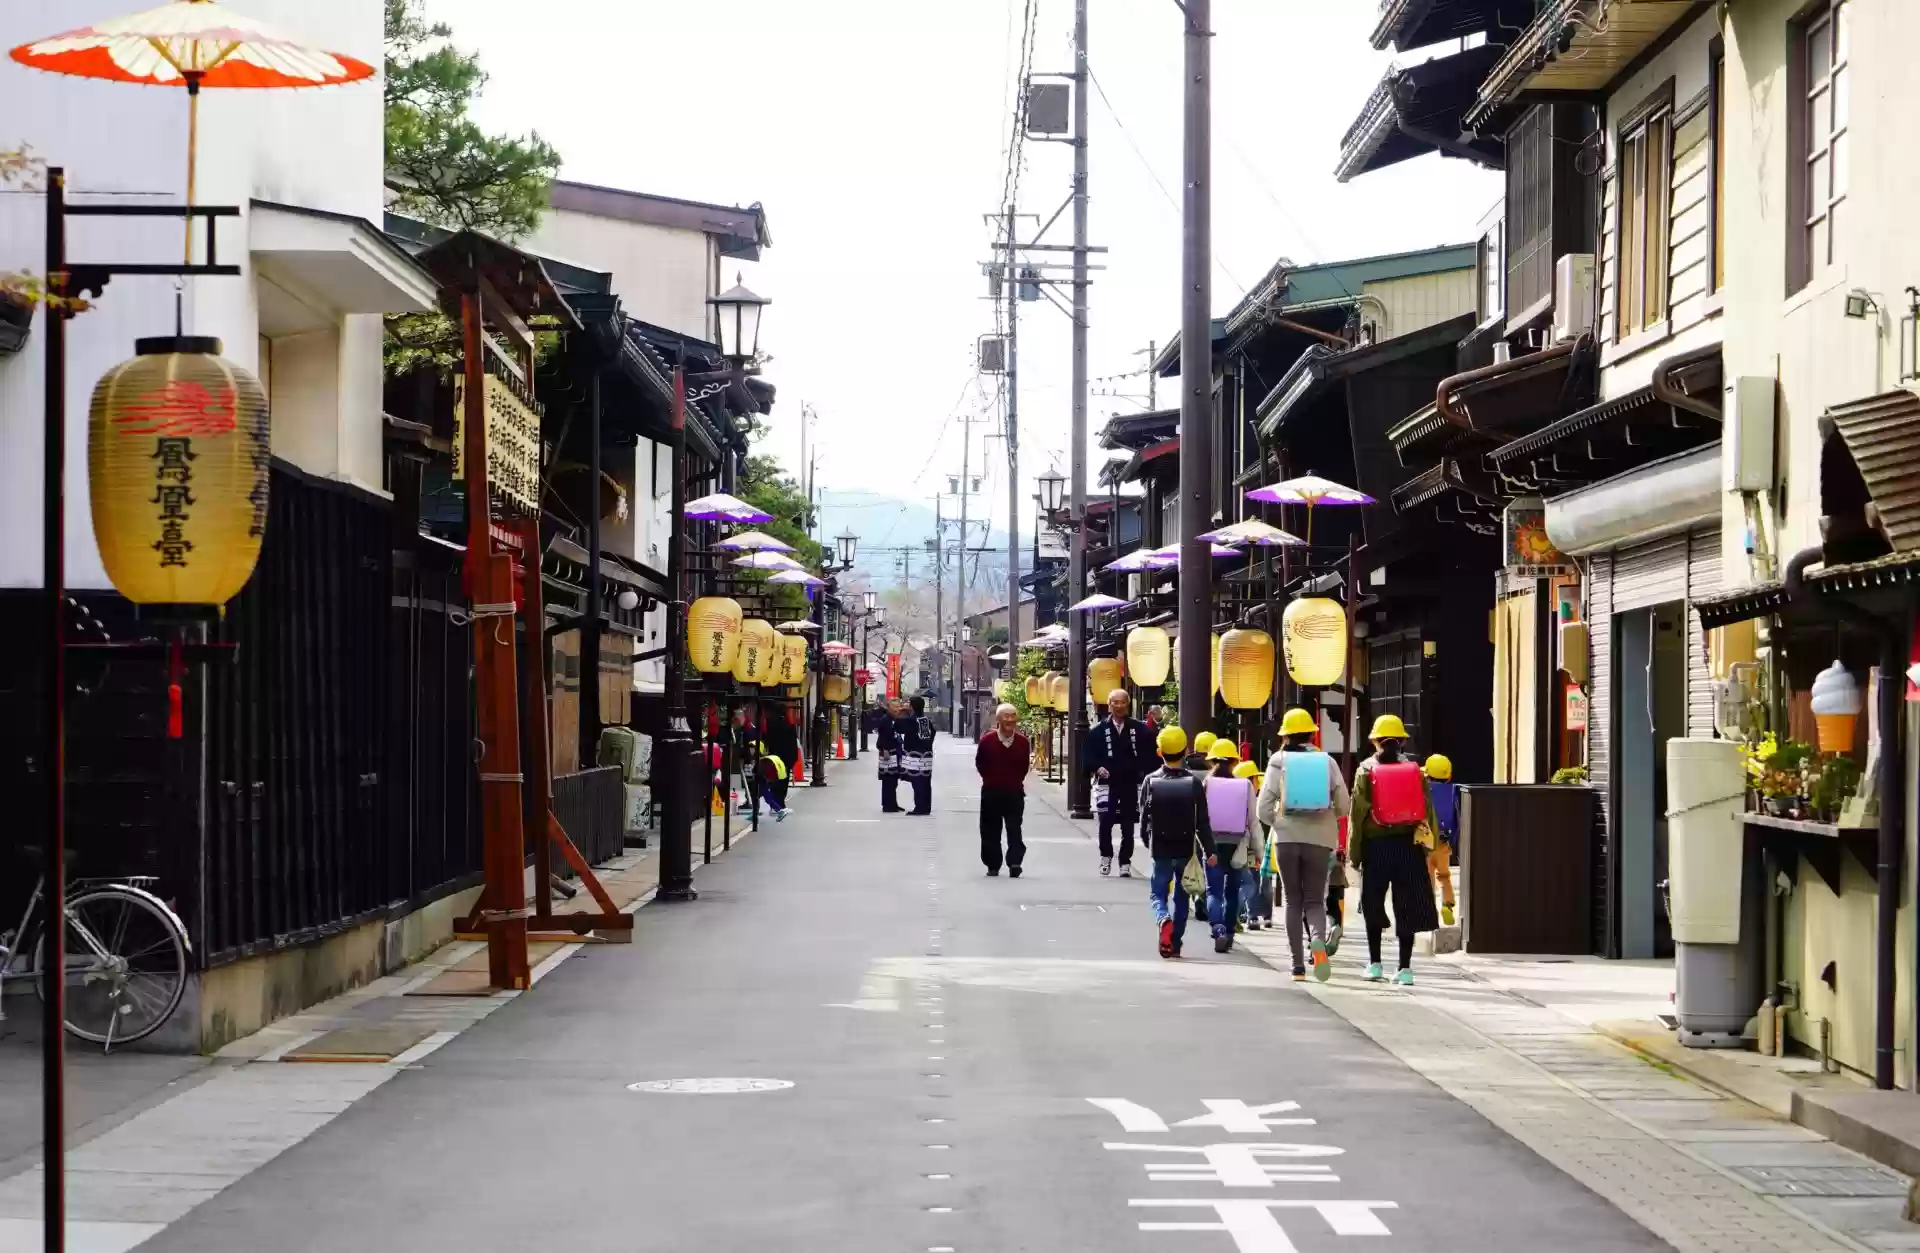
(1119, 753)
(1003, 758)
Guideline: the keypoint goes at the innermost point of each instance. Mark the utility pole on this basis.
(939, 592)
(1012, 288)
(1079, 796)
(1196, 378)
(1152, 351)
(955, 684)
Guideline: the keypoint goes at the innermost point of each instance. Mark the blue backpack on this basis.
(1309, 787)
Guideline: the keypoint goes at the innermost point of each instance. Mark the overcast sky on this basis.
(875, 133)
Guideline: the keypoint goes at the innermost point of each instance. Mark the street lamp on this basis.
(1053, 486)
(737, 321)
(848, 542)
(871, 600)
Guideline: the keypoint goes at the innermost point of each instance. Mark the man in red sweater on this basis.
(1002, 759)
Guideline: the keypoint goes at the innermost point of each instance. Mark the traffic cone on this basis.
(800, 769)
(718, 807)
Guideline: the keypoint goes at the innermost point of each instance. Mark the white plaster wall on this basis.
(317, 148)
(1821, 358)
(662, 275)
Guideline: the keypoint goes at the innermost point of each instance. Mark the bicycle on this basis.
(126, 960)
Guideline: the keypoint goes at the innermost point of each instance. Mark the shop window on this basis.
(1818, 138)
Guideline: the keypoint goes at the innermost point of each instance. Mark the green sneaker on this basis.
(1404, 978)
(1375, 974)
(1322, 968)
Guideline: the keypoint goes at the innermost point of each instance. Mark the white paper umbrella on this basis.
(758, 541)
(1170, 555)
(1310, 490)
(1131, 563)
(1098, 602)
(725, 508)
(767, 561)
(798, 624)
(1252, 531)
(838, 648)
(799, 578)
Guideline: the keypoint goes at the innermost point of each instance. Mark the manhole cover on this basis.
(1076, 905)
(1823, 1180)
(709, 1087)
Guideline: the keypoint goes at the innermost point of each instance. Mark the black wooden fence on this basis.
(592, 806)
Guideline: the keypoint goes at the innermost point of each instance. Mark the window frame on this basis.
(1634, 154)
(1717, 164)
(1806, 212)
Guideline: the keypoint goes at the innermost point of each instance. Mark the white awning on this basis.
(1665, 498)
(315, 266)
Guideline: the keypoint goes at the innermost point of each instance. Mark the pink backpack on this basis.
(1399, 796)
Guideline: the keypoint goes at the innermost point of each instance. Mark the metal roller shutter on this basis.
(1650, 574)
(1599, 741)
(1703, 579)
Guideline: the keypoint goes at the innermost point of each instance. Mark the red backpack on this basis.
(1399, 794)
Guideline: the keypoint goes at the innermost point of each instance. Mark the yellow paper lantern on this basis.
(178, 457)
(1000, 689)
(1246, 668)
(1149, 653)
(1062, 692)
(1213, 664)
(713, 634)
(759, 650)
(1103, 676)
(1035, 694)
(838, 689)
(1314, 631)
(792, 670)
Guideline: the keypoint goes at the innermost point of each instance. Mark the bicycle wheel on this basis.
(125, 983)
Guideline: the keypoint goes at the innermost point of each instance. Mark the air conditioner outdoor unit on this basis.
(1572, 296)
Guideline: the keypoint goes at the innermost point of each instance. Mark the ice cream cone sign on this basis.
(1836, 708)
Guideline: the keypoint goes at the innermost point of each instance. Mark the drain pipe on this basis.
(1666, 391)
(1891, 834)
(1443, 395)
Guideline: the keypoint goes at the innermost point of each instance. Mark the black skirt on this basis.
(1395, 862)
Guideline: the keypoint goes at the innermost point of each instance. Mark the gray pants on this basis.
(1303, 879)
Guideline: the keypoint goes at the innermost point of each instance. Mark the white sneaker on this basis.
(1106, 866)
(1126, 870)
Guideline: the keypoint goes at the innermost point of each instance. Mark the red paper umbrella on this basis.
(194, 44)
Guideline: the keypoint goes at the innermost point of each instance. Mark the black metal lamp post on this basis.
(845, 544)
(677, 754)
(870, 613)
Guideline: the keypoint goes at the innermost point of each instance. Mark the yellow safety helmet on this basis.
(1297, 722)
(1388, 727)
(1203, 742)
(1438, 767)
(1246, 770)
(1171, 742)
(1223, 750)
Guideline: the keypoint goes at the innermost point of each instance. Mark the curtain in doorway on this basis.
(1515, 688)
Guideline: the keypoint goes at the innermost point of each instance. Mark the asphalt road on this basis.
(946, 1036)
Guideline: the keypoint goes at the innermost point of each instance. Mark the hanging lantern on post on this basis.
(1061, 695)
(793, 662)
(1213, 664)
(1314, 631)
(1149, 654)
(838, 689)
(713, 634)
(1036, 697)
(1103, 675)
(1246, 668)
(759, 646)
(178, 456)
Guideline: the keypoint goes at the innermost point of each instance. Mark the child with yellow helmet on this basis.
(1173, 825)
(1446, 812)
(1230, 815)
(1302, 800)
(1389, 837)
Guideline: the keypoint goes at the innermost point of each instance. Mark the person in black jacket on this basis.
(1174, 825)
(916, 755)
(1118, 756)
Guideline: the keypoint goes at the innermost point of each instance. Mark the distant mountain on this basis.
(891, 528)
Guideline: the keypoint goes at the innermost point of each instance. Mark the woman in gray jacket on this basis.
(1303, 813)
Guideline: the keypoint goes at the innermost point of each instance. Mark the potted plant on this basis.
(1576, 775)
(1833, 784)
(1776, 772)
